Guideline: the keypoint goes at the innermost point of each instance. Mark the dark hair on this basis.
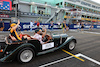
(36, 30)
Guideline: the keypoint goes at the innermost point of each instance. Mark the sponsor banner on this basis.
(98, 26)
(87, 26)
(26, 26)
(4, 16)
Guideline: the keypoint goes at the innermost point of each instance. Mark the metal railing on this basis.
(38, 1)
(52, 16)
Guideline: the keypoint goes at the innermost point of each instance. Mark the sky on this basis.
(98, 1)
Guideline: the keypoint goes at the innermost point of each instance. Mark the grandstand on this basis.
(72, 11)
(33, 9)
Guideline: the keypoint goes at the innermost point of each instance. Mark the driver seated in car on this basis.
(39, 35)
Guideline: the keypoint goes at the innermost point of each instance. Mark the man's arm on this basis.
(44, 33)
(16, 25)
(9, 29)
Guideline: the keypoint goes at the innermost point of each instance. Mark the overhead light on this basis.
(33, 3)
(45, 4)
(56, 7)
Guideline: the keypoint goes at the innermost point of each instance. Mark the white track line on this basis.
(91, 32)
(90, 59)
(78, 55)
(86, 32)
(57, 61)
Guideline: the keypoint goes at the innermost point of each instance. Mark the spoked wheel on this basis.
(26, 55)
(71, 45)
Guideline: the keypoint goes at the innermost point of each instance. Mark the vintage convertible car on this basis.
(26, 50)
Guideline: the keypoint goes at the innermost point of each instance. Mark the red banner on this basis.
(4, 16)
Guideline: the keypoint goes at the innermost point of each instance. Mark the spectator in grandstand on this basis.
(31, 25)
(78, 26)
(58, 25)
(51, 24)
(39, 19)
(10, 22)
(1, 25)
(64, 26)
(39, 11)
(82, 27)
(38, 24)
(65, 17)
(9, 25)
(67, 28)
(69, 25)
(91, 27)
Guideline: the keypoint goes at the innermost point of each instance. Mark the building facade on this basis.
(44, 11)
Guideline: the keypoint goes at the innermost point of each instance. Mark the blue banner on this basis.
(26, 26)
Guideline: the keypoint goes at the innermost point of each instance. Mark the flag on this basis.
(5, 5)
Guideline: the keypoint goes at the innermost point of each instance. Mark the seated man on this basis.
(38, 35)
(14, 35)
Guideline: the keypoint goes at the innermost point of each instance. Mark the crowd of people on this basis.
(82, 26)
(59, 25)
(51, 26)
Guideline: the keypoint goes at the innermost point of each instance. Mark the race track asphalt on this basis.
(88, 44)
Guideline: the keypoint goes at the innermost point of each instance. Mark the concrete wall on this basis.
(27, 8)
(53, 11)
(24, 8)
(28, 19)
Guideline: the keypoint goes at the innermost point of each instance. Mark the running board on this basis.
(47, 51)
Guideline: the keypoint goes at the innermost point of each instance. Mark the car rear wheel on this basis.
(26, 55)
(71, 45)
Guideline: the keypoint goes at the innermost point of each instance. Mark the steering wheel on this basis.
(46, 38)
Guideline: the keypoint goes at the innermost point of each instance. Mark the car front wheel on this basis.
(25, 55)
(71, 45)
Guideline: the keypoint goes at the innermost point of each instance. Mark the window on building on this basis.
(33, 9)
(69, 5)
(85, 9)
(82, 15)
(90, 10)
(77, 0)
(57, 4)
(65, 4)
(99, 12)
(61, 3)
(73, 0)
(66, 13)
(87, 16)
(84, 3)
